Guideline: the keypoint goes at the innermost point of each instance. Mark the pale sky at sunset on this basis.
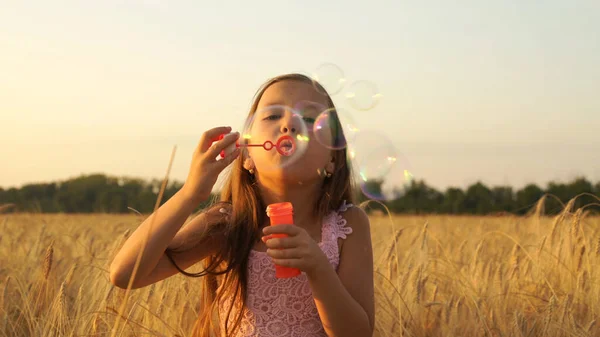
(502, 91)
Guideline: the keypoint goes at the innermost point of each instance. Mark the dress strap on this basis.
(338, 223)
(344, 207)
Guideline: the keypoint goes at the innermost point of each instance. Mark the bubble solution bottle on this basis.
(282, 214)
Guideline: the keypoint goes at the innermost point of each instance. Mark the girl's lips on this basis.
(286, 145)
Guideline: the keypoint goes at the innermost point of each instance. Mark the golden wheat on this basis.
(48, 261)
(434, 276)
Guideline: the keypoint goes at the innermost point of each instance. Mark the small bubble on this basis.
(330, 76)
(363, 95)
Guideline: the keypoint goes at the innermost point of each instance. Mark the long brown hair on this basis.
(241, 231)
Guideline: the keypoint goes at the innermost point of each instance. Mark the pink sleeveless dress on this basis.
(285, 307)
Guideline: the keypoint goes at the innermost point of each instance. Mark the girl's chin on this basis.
(296, 174)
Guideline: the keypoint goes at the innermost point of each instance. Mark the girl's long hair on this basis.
(227, 268)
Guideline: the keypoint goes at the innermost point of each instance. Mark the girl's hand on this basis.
(298, 250)
(205, 168)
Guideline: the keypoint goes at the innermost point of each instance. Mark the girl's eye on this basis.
(272, 117)
(309, 120)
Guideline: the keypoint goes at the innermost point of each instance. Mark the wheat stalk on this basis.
(70, 274)
(566, 306)
(62, 298)
(582, 280)
(590, 326)
(48, 260)
(5, 292)
(424, 236)
(519, 323)
(498, 281)
(540, 206)
(549, 313)
(184, 312)
(458, 306)
(580, 258)
(541, 247)
(448, 310)
(554, 230)
(95, 324)
(575, 221)
(6, 207)
(514, 261)
(161, 303)
(150, 293)
(417, 284)
(477, 252)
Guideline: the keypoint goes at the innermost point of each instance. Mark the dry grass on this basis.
(435, 276)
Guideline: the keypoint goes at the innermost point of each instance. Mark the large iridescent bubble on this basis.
(383, 172)
(334, 128)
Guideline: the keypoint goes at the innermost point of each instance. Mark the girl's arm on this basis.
(345, 300)
(166, 221)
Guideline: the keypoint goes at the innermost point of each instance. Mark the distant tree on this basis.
(566, 192)
(527, 198)
(101, 193)
(479, 199)
(559, 190)
(503, 199)
(418, 198)
(580, 186)
(454, 201)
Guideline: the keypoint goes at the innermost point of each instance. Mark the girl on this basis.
(329, 242)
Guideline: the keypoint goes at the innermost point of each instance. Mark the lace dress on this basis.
(285, 307)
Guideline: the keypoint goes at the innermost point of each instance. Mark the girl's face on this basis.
(289, 108)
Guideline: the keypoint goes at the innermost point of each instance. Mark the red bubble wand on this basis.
(285, 146)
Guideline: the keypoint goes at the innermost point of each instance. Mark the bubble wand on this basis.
(285, 146)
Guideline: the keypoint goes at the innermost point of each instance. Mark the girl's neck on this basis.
(303, 198)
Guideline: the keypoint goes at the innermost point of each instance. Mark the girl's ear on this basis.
(330, 167)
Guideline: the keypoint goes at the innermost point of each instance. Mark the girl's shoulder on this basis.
(351, 216)
(348, 216)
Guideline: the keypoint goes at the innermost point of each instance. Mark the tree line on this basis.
(99, 193)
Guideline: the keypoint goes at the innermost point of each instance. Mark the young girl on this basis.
(329, 243)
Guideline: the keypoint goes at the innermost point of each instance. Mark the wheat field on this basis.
(435, 276)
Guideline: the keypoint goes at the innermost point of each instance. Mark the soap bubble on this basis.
(330, 76)
(383, 172)
(327, 128)
(363, 95)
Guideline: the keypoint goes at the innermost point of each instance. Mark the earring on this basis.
(323, 173)
(251, 171)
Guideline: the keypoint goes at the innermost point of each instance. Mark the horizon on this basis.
(502, 92)
(171, 181)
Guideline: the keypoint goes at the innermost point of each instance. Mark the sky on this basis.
(501, 91)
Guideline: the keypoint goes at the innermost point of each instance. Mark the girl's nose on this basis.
(289, 123)
(285, 129)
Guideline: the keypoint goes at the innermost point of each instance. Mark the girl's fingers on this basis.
(223, 163)
(208, 136)
(292, 253)
(215, 149)
(286, 242)
(292, 263)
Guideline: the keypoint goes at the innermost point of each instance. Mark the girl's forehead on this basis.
(291, 92)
